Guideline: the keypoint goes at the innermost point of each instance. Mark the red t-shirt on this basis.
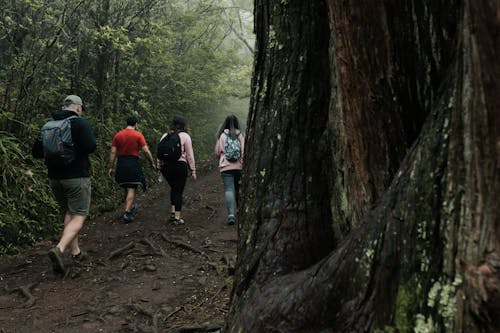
(128, 142)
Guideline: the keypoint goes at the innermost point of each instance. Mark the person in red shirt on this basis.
(125, 147)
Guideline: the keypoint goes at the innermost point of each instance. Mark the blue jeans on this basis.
(231, 181)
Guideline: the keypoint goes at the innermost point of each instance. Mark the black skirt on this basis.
(129, 171)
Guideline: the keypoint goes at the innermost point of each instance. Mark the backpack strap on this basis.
(180, 141)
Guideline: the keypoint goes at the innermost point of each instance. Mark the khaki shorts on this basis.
(73, 195)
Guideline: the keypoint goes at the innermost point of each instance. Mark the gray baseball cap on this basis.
(72, 99)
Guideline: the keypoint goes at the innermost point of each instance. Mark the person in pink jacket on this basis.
(229, 149)
(176, 173)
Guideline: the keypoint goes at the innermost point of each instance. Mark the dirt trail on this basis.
(146, 276)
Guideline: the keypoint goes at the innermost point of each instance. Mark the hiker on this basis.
(69, 173)
(125, 148)
(229, 149)
(174, 165)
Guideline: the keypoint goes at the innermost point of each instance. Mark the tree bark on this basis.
(372, 171)
(286, 62)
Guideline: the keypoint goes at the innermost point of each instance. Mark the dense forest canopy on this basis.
(153, 59)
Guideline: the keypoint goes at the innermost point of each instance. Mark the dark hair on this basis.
(232, 124)
(131, 121)
(178, 124)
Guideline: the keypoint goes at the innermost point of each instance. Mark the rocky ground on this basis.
(146, 276)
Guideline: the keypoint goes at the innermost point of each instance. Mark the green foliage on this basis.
(28, 207)
(153, 59)
(387, 329)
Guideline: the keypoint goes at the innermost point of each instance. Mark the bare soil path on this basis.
(146, 276)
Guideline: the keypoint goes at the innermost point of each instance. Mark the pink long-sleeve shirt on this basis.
(224, 164)
(187, 153)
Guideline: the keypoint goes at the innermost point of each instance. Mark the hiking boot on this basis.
(178, 221)
(128, 217)
(80, 257)
(135, 208)
(231, 220)
(56, 257)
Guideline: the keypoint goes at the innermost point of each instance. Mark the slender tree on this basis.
(371, 178)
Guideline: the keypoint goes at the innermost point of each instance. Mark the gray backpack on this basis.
(58, 147)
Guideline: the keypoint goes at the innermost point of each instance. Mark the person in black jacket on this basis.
(70, 183)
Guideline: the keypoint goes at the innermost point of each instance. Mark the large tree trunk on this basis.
(371, 177)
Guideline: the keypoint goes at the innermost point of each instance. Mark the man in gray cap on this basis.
(68, 172)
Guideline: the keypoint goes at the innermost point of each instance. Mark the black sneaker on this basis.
(135, 208)
(80, 257)
(128, 217)
(56, 257)
(231, 220)
(172, 217)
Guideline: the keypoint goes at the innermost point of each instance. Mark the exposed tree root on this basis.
(121, 250)
(26, 292)
(174, 312)
(206, 328)
(155, 251)
(183, 245)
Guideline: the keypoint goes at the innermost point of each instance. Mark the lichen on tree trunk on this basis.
(286, 62)
(371, 174)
